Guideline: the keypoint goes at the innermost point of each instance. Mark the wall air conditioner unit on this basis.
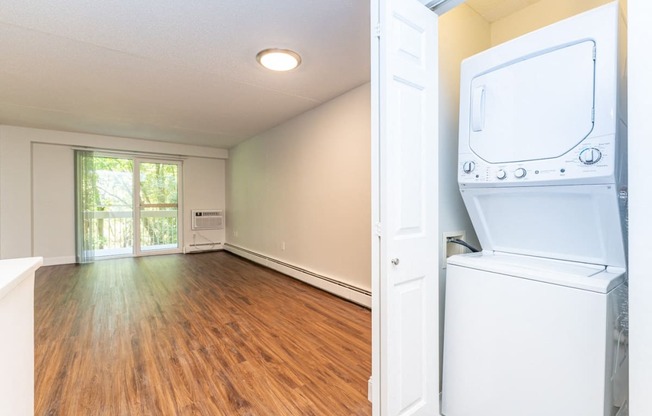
(207, 219)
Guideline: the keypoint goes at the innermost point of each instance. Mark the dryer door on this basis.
(536, 107)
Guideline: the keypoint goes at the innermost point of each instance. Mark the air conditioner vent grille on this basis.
(207, 219)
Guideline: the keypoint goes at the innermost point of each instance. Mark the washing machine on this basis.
(536, 323)
(531, 336)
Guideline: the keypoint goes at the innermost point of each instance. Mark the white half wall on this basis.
(300, 193)
(37, 185)
(17, 332)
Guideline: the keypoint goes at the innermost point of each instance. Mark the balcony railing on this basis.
(113, 231)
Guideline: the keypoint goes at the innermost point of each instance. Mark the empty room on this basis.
(204, 221)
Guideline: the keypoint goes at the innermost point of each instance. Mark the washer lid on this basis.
(536, 107)
(579, 223)
(582, 276)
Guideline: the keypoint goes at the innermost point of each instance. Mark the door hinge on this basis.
(378, 230)
(377, 30)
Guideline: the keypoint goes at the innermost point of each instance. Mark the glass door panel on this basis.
(159, 206)
(109, 204)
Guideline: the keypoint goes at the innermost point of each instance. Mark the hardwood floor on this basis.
(205, 334)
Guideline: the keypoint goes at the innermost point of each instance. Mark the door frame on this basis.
(137, 159)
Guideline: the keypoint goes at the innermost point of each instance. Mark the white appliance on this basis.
(535, 324)
(535, 337)
(207, 219)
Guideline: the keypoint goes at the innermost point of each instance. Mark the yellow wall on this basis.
(538, 15)
(462, 33)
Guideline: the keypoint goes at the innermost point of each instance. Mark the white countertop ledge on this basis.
(14, 271)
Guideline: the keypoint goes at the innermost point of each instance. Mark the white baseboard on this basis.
(55, 261)
(329, 284)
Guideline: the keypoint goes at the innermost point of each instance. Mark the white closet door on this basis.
(405, 136)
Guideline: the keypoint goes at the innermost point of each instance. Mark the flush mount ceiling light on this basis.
(278, 59)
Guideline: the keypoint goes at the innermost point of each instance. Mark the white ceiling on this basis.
(180, 71)
(173, 70)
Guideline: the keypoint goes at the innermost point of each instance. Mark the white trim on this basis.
(328, 284)
(119, 144)
(441, 6)
(375, 209)
(56, 261)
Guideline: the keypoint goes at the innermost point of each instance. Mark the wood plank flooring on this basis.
(204, 334)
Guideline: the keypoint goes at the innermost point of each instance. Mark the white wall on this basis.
(53, 203)
(204, 187)
(15, 197)
(640, 206)
(37, 209)
(306, 184)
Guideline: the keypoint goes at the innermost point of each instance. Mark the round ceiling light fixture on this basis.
(278, 59)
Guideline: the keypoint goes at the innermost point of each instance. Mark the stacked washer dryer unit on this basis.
(536, 324)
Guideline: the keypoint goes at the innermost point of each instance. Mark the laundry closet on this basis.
(541, 166)
(554, 173)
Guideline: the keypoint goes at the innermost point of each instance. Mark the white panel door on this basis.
(405, 193)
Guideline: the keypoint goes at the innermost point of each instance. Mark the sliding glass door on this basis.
(159, 206)
(126, 206)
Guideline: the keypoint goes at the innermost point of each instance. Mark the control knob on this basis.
(468, 167)
(590, 156)
(501, 174)
(520, 173)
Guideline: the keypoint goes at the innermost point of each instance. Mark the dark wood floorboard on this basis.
(205, 334)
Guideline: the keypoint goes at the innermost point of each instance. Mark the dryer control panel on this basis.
(590, 162)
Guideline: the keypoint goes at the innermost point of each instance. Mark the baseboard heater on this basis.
(299, 269)
(204, 244)
(204, 247)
